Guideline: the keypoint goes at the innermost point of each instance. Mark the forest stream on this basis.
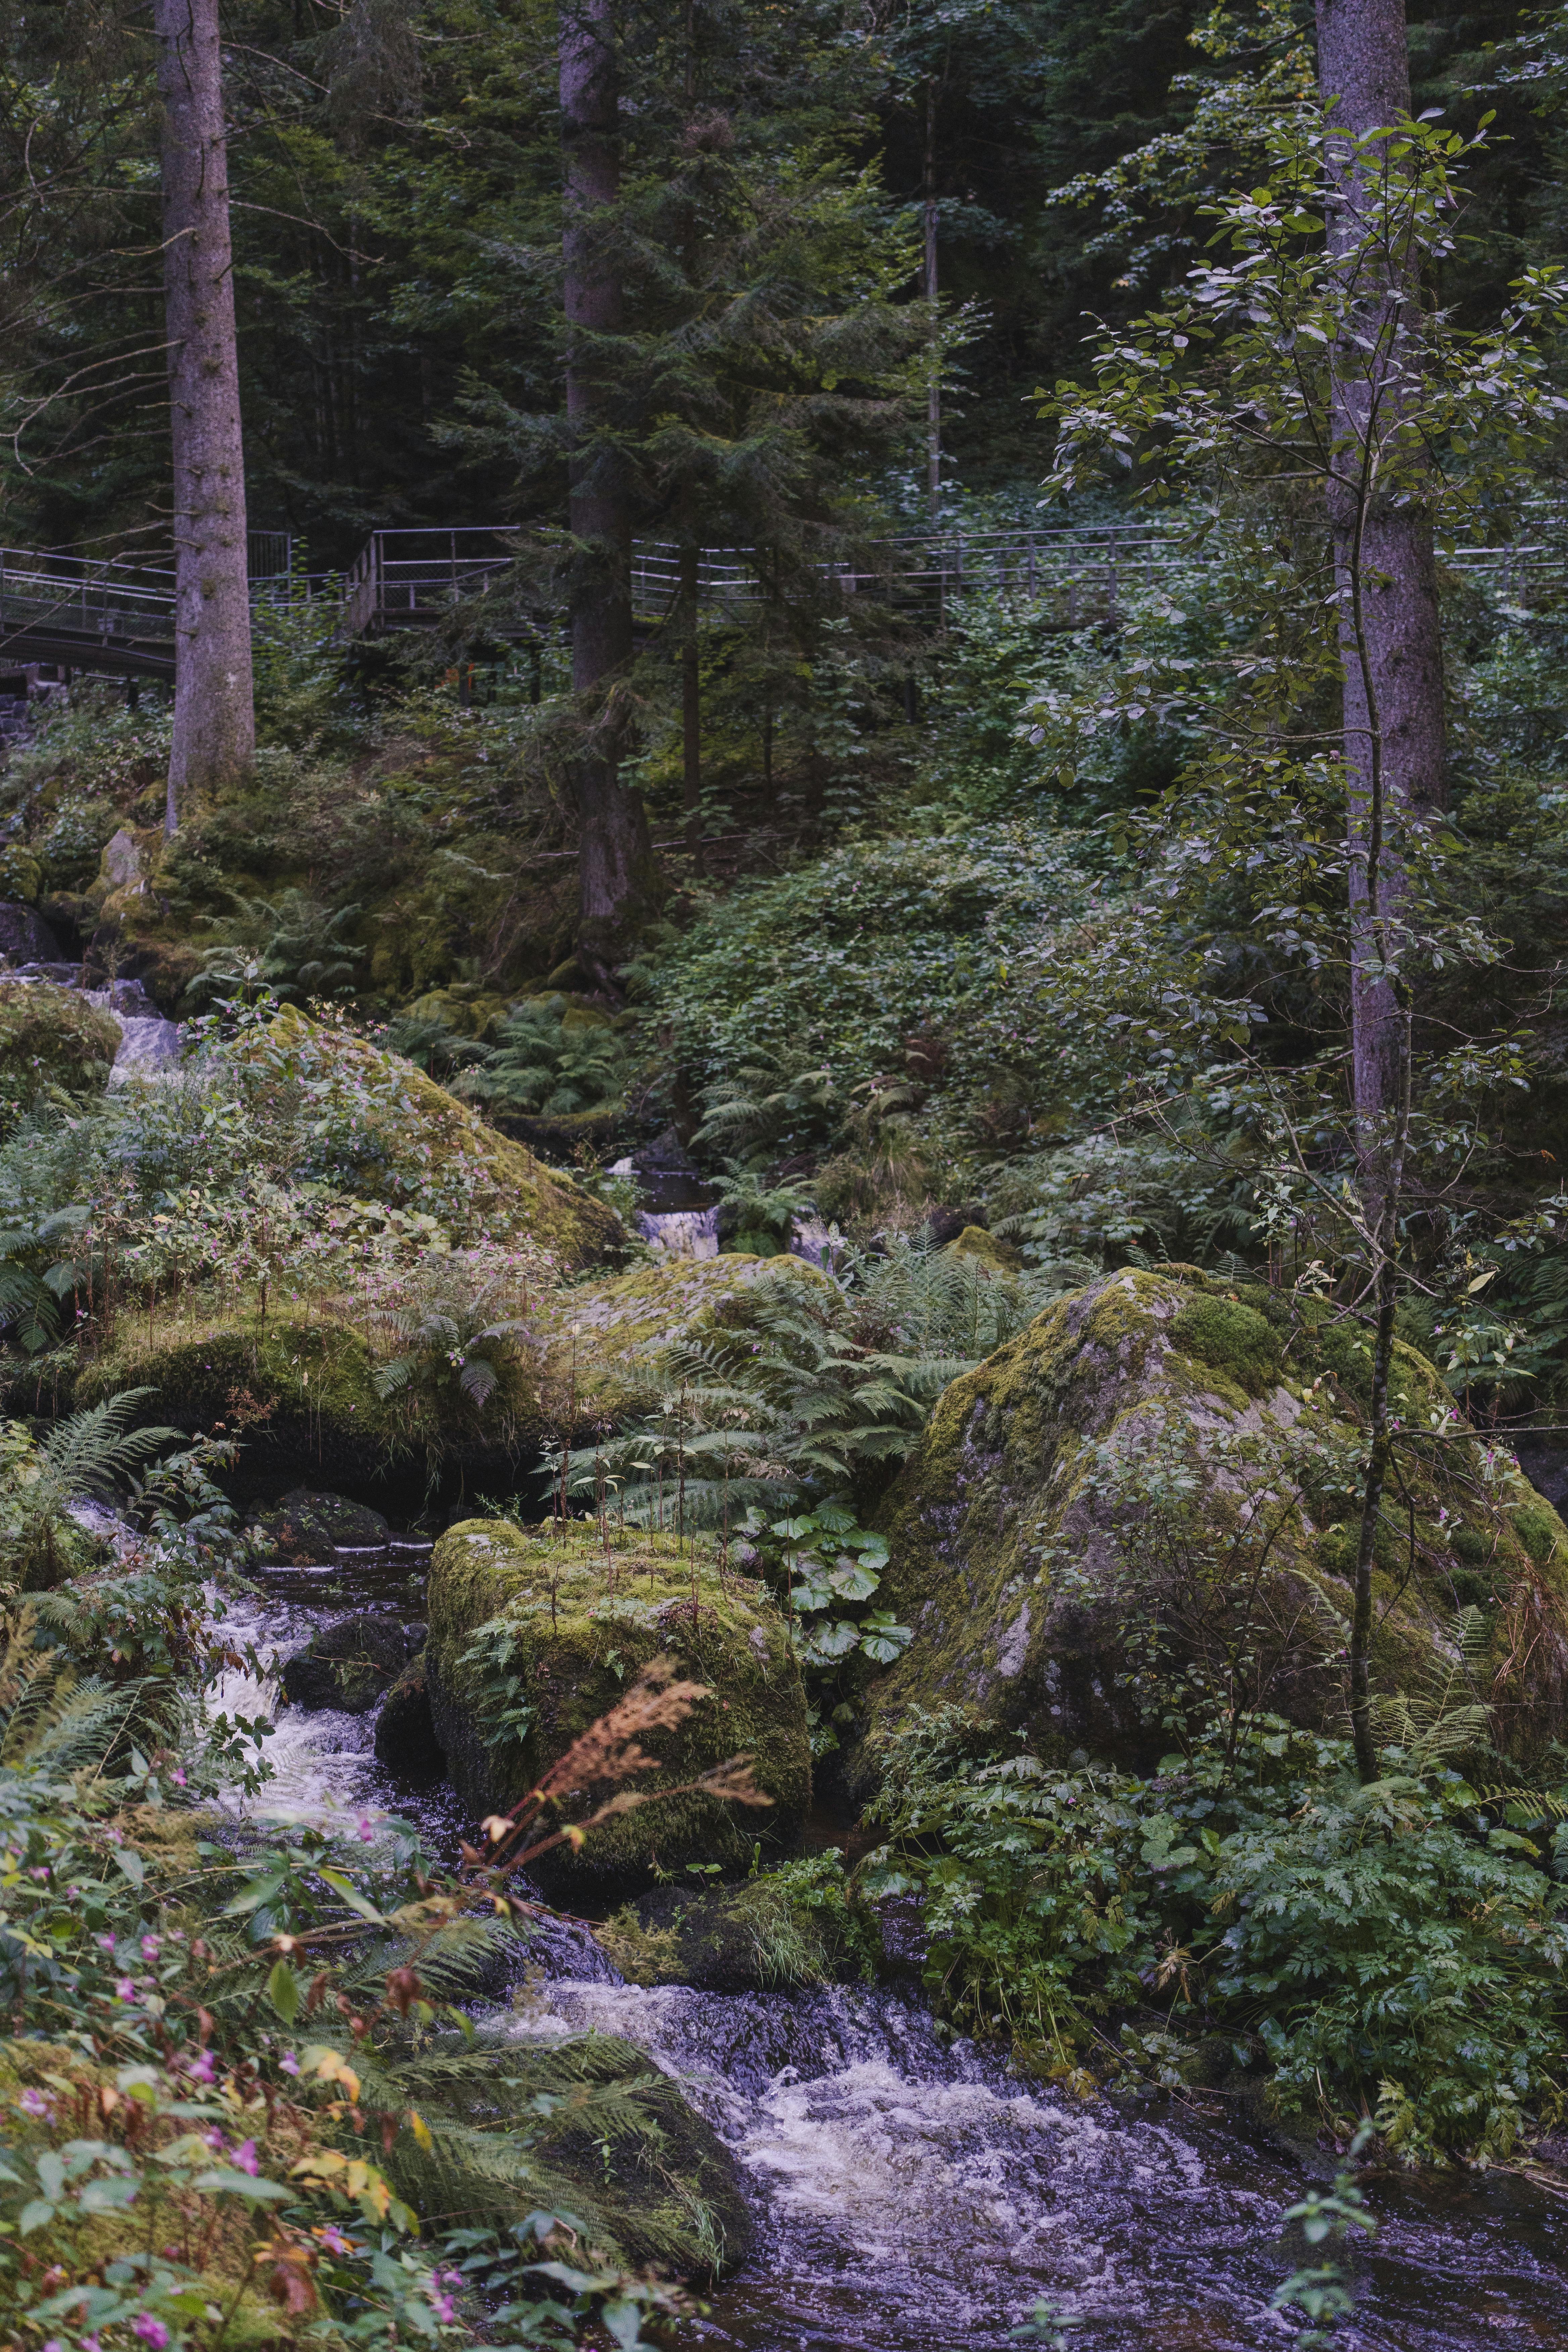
(910, 2194)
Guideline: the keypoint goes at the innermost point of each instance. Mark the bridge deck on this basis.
(120, 618)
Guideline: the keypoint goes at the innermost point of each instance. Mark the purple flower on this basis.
(32, 2102)
(288, 2062)
(202, 2067)
(151, 1947)
(367, 1828)
(105, 1943)
(334, 2240)
(150, 2331)
(244, 2159)
(178, 1776)
(124, 1990)
(443, 2306)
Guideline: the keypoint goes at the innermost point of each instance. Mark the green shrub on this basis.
(1400, 1944)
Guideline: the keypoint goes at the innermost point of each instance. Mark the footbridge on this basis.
(115, 617)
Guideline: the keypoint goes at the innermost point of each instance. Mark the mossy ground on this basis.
(571, 1629)
(51, 1038)
(1004, 1555)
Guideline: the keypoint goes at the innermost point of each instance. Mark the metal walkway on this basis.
(120, 618)
(76, 613)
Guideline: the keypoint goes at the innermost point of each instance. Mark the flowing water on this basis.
(909, 2195)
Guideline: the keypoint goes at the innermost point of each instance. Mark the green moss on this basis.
(1007, 1477)
(767, 1935)
(976, 1242)
(571, 1646)
(1230, 1339)
(603, 1335)
(51, 1037)
(401, 1137)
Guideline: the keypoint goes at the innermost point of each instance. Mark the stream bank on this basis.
(907, 2192)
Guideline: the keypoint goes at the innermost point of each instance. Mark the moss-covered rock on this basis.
(1036, 1576)
(760, 1936)
(391, 1133)
(300, 1388)
(647, 2177)
(305, 1526)
(604, 1335)
(534, 1634)
(51, 1038)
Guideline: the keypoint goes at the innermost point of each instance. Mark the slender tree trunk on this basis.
(617, 876)
(1391, 643)
(933, 389)
(215, 724)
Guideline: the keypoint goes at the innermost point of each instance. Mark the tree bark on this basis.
(215, 724)
(1392, 656)
(617, 874)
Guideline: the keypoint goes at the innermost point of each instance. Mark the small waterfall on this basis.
(149, 1045)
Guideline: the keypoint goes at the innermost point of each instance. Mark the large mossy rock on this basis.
(529, 1645)
(1032, 1555)
(51, 1038)
(759, 1937)
(302, 1389)
(396, 1136)
(604, 1335)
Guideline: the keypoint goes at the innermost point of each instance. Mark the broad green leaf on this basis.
(131, 1863)
(351, 1895)
(227, 2181)
(258, 1891)
(283, 1991)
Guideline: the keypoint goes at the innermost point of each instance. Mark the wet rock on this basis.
(405, 1740)
(756, 1938)
(306, 1528)
(573, 1642)
(346, 1665)
(25, 936)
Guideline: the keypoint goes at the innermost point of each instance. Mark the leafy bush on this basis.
(291, 951)
(545, 1061)
(1400, 1945)
(818, 982)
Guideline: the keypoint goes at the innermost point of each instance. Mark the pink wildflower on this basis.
(150, 2331)
(244, 2159)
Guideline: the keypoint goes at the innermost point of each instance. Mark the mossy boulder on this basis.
(297, 1389)
(759, 1937)
(604, 1335)
(390, 1133)
(627, 2155)
(534, 1634)
(1037, 1554)
(51, 1038)
(305, 1526)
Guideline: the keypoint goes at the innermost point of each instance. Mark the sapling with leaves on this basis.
(1302, 365)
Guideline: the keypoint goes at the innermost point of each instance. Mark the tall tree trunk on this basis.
(618, 875)
(1391, 644)
(215, 723)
